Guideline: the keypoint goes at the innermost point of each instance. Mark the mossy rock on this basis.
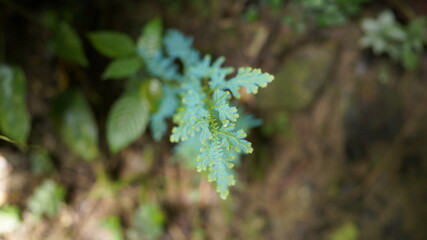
(300, 79)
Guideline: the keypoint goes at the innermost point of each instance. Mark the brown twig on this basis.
(403, 8)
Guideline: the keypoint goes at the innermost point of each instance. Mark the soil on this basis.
(352, 153)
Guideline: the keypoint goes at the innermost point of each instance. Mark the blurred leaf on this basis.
(9, 219)
(162, 110)
(122, 67)
(41, 163)
(395, 33)
(112, 224)
(151, 90)
(274, 4)
(247, 121)
(188, 151)
(112, 44)
(328, 13)
(150, 39)
(416, 32)
(46, 199)
(347, 231)
(402, 43)
(76, 124)
(251, 13)
(147, 222)
(14, 116)
(409, 58)
(126, 121)
(67, 45)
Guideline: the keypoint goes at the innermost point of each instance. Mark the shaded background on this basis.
(341, 154)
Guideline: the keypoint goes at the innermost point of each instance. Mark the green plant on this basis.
(113, 226)
(41, 163)
(167, 77)
(327, 13)
(9, 219)
(46, 199)
(14, 116)
(147, 222)
(63, 38)
(384, 35)
(76, 123)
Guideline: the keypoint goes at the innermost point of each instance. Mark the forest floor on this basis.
(342, 149)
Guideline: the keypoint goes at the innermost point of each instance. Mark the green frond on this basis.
(167, 107)
(249, 78)
(225, 111)
(213, 159)
(179, 46)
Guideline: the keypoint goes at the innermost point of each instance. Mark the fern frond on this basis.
(246, 121)
(232, 139)
(212, 71)
(190, 115)
(159, 66)
(205, 113)
(213, 159)
(167, 107)
(225, 111)
(249, 78)
(179, 46)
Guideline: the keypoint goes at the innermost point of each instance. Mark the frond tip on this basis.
(249, 78)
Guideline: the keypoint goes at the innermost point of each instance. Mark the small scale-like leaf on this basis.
(76, 124)
(126, 121)
(226, 112)
(122, 67)
(212, 157)
(67, 45)
(14, 116)
(112, 44)
(231, 139)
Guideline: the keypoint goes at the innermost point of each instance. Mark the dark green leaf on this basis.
(67, 45)
(76, 124)
(122, 67)
(126, 121)
(150, 39)
(14, 116)
(112, 44)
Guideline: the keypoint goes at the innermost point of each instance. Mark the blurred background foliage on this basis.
(339, 136)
